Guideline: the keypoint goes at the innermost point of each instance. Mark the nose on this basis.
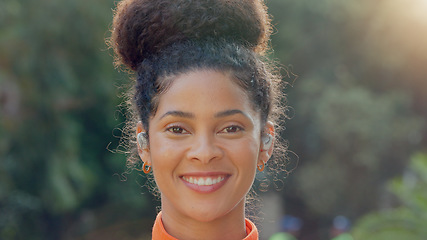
(204, 148)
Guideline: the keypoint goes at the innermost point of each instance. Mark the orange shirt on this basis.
(159, 232)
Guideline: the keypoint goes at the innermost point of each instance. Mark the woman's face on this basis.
(204, 146)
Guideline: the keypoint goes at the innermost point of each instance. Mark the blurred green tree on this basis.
(407, 221)
(359, 100)
(58, 107)
(350, 133)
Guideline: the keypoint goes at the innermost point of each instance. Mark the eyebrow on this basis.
(222, 114)
(230, 113)
(178, 114)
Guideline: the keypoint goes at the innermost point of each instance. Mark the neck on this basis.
(229, 226)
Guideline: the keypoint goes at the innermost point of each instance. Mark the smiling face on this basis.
(204, 147)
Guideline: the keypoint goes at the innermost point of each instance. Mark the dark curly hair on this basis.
(142, 28)
(164, 38)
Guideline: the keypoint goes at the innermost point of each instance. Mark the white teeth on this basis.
(201, 182)
(208, 181)
(204, 181)
(217, 180)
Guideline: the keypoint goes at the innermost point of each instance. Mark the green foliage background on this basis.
(360, 110)
(408, 220)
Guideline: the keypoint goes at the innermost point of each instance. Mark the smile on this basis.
(203, 181)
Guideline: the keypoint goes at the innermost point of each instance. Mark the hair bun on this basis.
(145, 27)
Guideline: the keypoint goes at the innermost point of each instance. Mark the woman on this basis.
(206, 105)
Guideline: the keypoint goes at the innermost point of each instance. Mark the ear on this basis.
(267, 142)
(143, 149)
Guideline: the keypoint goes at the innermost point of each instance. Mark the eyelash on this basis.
(180, 130)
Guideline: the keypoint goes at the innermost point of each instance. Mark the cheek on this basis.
(164, 160)
(162, 154)
(245, 154)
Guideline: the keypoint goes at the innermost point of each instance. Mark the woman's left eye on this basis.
(231, 129)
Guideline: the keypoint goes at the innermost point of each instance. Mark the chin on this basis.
(206, 216)
(205, 213)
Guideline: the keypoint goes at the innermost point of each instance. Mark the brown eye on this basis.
(177, 130)
(232, 129)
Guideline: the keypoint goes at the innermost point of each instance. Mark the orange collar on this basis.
(159, 232)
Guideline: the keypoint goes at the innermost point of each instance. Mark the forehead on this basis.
(204, 91)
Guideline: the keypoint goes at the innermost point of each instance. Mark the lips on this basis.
(205, 184)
